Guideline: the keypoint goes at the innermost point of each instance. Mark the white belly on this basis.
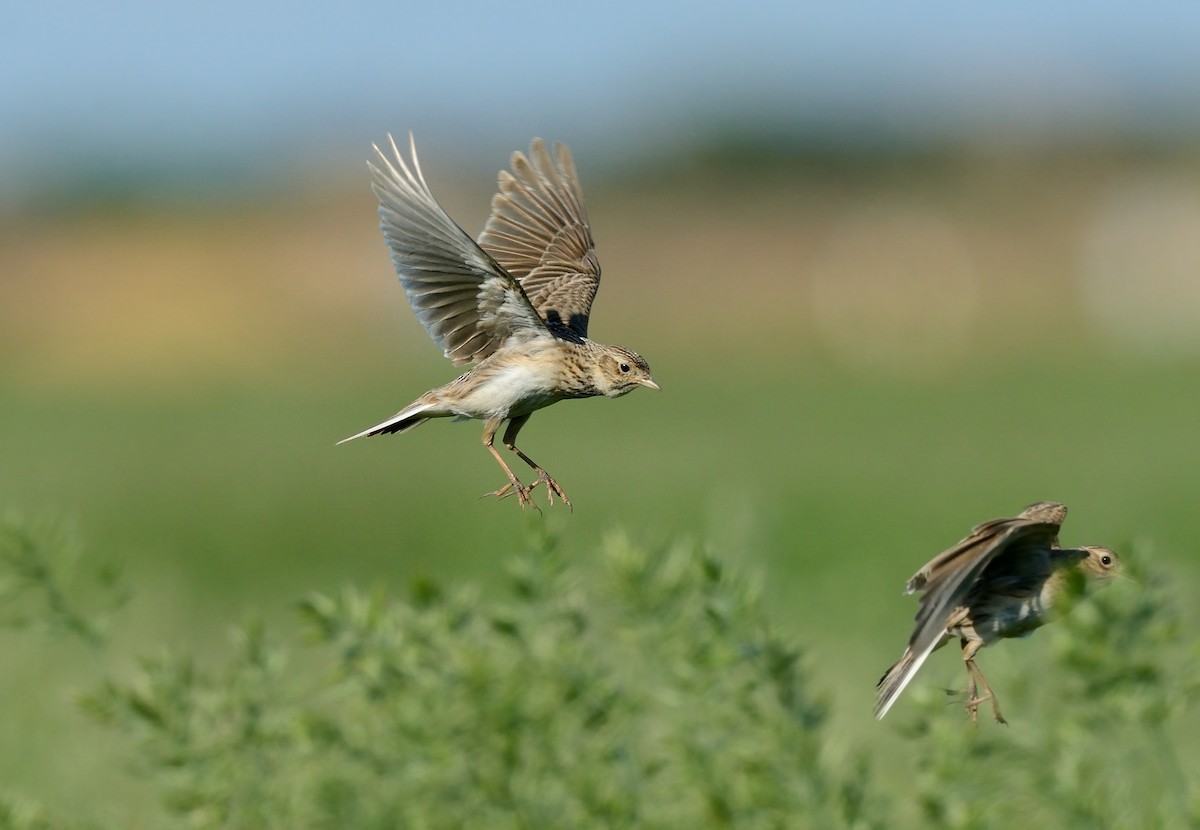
(509, 391)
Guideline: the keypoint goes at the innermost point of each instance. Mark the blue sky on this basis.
(138, 84)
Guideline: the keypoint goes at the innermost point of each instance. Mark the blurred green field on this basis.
(858, 363)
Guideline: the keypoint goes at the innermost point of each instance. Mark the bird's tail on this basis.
(895, 679)
(404, 420)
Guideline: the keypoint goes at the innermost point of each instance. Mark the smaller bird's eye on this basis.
(624, 367)
(1106, 560)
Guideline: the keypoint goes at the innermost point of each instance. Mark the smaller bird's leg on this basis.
(972, 696)
(976, 680)
(968, 650)
(988, 694)
(510, 438)
(514, 483)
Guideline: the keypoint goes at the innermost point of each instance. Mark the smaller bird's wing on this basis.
(951, 575)
(1046, 511)
(1050, 512)
(467, 301)
(538, 231)
(964, 547)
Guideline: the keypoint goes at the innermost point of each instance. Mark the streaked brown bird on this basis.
(1006, 579)
(516, 303)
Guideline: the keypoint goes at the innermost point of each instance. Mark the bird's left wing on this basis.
(1050, 512)
(950, 576)
(467, 301)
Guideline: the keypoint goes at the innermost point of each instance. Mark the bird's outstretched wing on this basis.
(466, 300)
(1049, 512)
(949, 577)
(538, 231)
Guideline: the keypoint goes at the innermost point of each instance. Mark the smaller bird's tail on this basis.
(894, 680)
(402, 421)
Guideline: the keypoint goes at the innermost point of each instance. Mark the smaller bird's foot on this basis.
(552, 488)
(975, 679)
(973, 702)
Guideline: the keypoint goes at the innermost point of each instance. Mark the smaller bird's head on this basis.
(621, 370)
(1100, 564)
(1087, 567)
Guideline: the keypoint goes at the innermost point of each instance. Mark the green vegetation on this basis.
(647, 689)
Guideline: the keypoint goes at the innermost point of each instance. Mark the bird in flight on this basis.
(1006, 579)
(516, 303)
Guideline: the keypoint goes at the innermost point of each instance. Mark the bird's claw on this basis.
(552, 488)
(525, 494)
(973, 701)
(522, 492)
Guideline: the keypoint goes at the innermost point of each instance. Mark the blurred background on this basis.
(898, 270)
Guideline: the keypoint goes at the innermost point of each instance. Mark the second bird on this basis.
(1006, 579)
(516, 303)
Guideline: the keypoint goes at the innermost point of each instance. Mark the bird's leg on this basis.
(970, 647)
(968, 650)
(510, 438)
(972, 697)
(514, 483)
(988, 694)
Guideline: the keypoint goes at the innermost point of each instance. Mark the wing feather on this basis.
(467, 302)
(538, 231)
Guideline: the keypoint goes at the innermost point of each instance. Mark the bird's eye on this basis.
(624, 367)
(1106, 560)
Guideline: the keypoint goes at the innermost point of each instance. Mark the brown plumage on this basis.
(517, 303)
(1003, 580)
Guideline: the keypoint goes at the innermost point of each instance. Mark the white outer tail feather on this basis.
(402, 415)
(893, 695)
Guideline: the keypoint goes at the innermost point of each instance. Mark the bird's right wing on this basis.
(538, 231)
(467, 301)
(1046, 511)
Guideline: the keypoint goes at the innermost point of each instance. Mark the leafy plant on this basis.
(634, 688)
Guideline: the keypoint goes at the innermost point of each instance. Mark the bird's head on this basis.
(621, 370)
(1100, 564)
(1083, 569)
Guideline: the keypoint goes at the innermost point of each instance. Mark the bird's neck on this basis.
(1068, 582)
(581, 373)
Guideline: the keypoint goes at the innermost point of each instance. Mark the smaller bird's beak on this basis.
(650, 384)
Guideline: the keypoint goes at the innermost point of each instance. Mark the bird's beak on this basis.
(650, 384)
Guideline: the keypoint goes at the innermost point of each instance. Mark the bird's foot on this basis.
(522, 492)
(525, 494)
(552, 488)
(973, 701)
